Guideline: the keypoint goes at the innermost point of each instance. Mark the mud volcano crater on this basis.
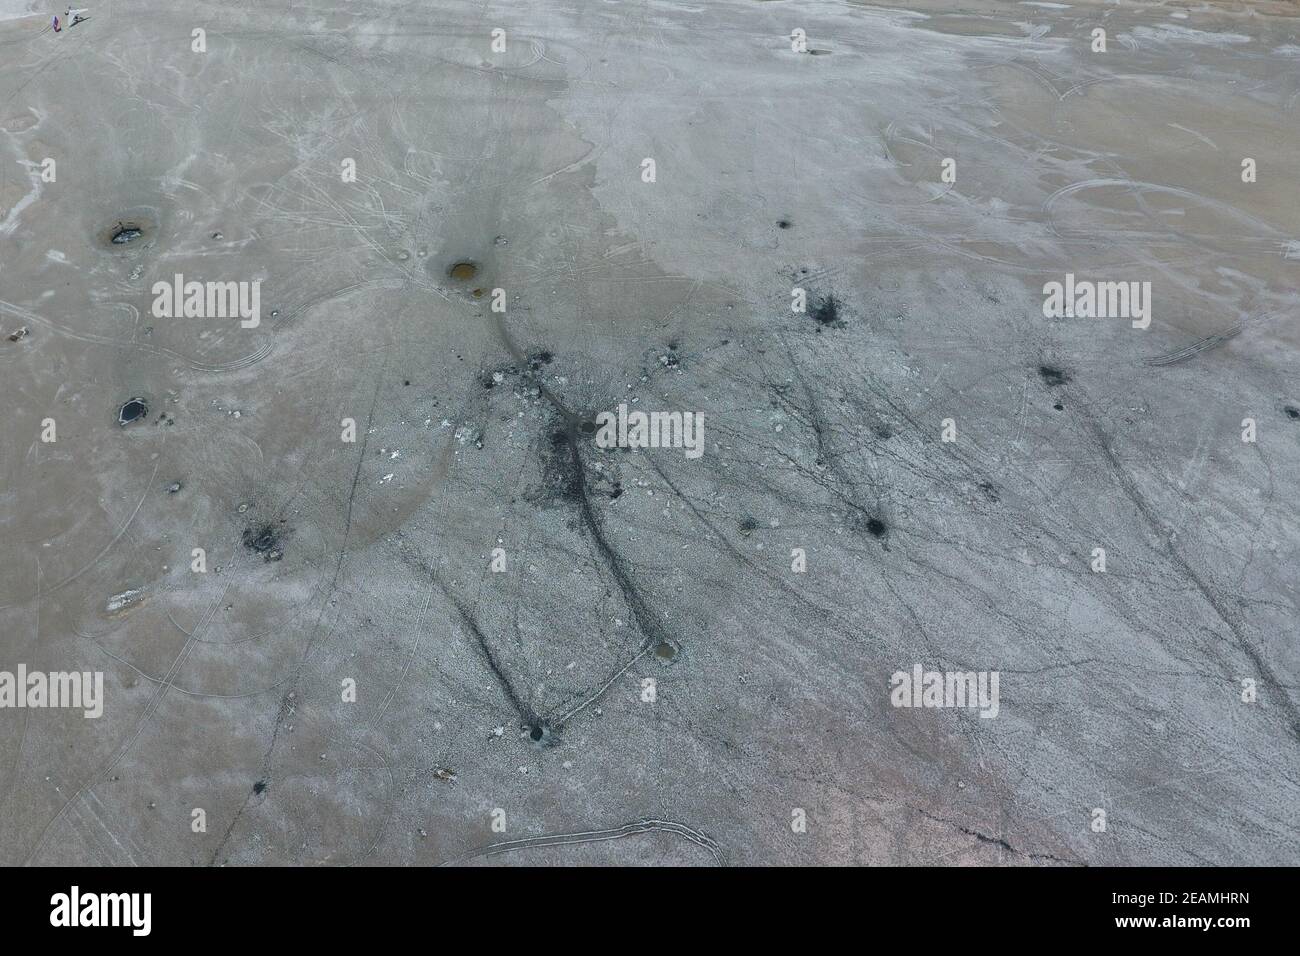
(126, 232)
(132, 410)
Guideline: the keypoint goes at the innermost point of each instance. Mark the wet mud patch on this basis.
(667, 652)
(1292, 412)
(1053, 375)
(874, 525)
(463, 271)
(265, 539)
(568, 477)
(562, 478)
(827, 311)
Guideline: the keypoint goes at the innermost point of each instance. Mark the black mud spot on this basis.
(133, 409)
(1059, 407)
(783, 224)
(1292, 412)
(260, 787)
(826, 310)
(1052, 375)
(539, 358)
(876, 527)
(125, 234)
(463, 271)
(882, 431)
(561, 478)
(266, 540)
(990, 491)
(748, 524)
(539, 733)
(666, 651)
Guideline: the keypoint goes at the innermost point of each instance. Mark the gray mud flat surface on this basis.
(649, 679)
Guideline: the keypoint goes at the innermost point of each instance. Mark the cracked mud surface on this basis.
(371, 561)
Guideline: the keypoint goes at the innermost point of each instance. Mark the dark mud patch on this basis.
(819, 52)
(827, 311)
(132, 410)
(783, 224)
(1052, 375)
(748, 525)
(539, 358)
(463, 271)
(873, 525)
(667, 651)
(1292, 412)
(260, 787)
(266, 540)
(562, 480)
